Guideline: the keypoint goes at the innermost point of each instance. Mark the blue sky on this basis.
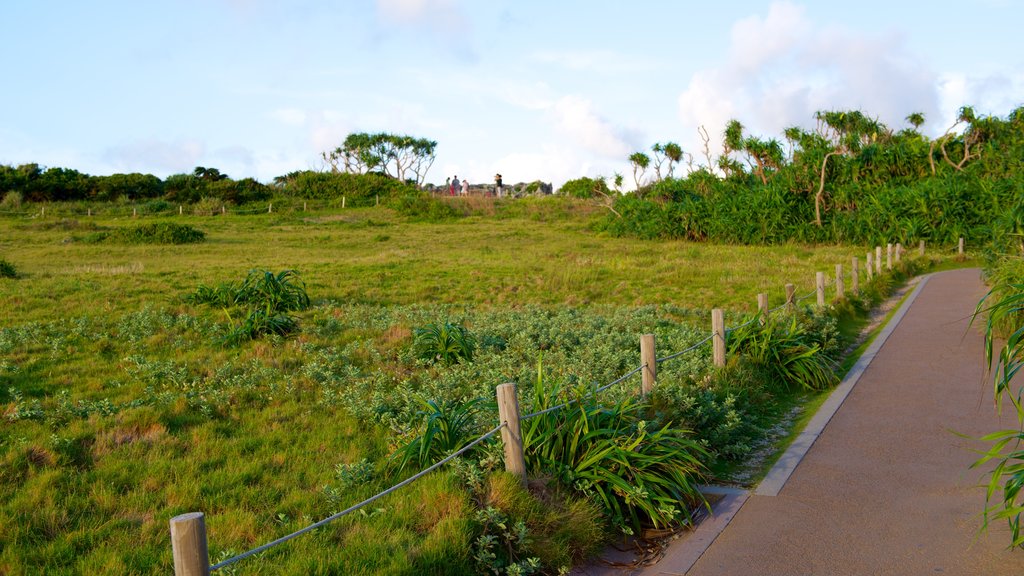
(531, 89)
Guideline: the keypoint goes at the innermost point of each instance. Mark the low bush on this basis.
(265, 299)
(7, 270)
(155, 233)
(445, 343)
(641, 477)
(785, 347)
(420, 206)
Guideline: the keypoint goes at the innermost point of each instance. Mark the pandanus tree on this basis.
(640, 162)
(668, 154)
(845, 133)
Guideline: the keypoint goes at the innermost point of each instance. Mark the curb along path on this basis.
(885, 487)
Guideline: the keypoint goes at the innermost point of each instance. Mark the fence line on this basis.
(355, 507)
(198, 556)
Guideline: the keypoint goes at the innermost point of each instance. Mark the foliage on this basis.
(585, 188)
(265, 298)
(786, 350)
(11, 201)
(448, 426)
(500, 547)
(357, 189)
(1004, 309)
(422, 207)
(153, 233)
(852, 180)
(395, 155)
(640, 477)
(7, 270)
(445, 343)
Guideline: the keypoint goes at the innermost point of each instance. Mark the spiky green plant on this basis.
(448, 426)
(642, 477)
(787, 351)
(1005, 362)
(445, 343)
(265, 298)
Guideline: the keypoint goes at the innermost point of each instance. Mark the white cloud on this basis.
(783, 68)
(156, 156)
(595, 61)
(577, 119)
(442, 20)
(289, 116)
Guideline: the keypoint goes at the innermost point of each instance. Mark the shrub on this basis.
(155, 233)
(358, 189)
(421, 206)
(641, 477)
(584, 188)
(264, 297)
(7, 270)
(12, 200)
(445, 343)
(448, 426)
(788, 351)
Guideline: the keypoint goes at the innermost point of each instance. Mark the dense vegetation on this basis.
(126, 399)
(852, 180)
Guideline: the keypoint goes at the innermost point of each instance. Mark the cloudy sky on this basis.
(534, 89)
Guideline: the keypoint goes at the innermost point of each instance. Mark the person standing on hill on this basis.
(448, 183)
(497, 185)
(455, 185)
(465, 187)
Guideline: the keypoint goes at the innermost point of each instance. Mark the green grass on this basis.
(122, 409)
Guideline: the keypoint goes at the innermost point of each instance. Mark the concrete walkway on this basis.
(886, 487)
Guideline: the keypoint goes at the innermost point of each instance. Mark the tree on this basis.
(395, 155)
(916, 119)
(844, 133)
(640, 162)
(732, 141)
(669, 152)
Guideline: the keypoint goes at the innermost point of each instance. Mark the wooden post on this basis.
(42, 212)
(878, 259)
(899, 252)
(135, 212)
(377, 203)
(960, 247)
(762, 307)
(90, 211)
(870, 265)
(303, 206)
(840, 284)
(790, 296)
(188, 544)
(649, 360)
(179, 210)
(718, 336)
(855, 276)
(819, 283)
(888, 257)
(508, 413)
(920, 248)
(342, 202)
(270, 207)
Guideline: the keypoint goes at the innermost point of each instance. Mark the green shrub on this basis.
(155, 233)
(584, 188)
(445, 343)
(12, 200)
(787, 350)
(265, 299)
(357, 189)
(7, 270)
(448, 426)
(423, 207)
(641, 477)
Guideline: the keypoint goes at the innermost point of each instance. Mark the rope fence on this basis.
(188, 531)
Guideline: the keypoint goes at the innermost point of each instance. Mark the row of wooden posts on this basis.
(188, 531)
(223, 209)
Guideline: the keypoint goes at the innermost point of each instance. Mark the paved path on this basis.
(886, 488)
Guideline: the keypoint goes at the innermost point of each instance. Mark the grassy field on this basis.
(122, 410)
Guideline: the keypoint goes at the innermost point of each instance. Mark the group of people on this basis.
(457, 188)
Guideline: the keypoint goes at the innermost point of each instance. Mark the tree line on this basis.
(850, 179)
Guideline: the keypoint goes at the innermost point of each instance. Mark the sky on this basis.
(533, 89)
